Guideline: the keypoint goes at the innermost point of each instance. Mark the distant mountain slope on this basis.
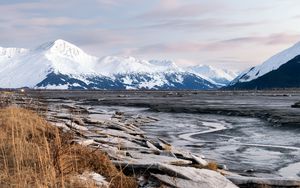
(253, 77)
(218, 76)
(286, 76)
(168, 81)
(62, 65)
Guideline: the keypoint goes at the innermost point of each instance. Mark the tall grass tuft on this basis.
(33, 153)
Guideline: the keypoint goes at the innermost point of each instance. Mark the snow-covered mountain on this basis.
(29, 68)
(218, 76)
(279, 71)
(62, 65)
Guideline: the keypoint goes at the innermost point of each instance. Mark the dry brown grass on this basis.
(34, 153)
(212, 166)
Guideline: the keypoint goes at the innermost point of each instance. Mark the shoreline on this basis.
(273, 106)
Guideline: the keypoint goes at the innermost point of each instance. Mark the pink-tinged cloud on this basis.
(273, 39)
(197, 24)
(56, 21)
(189, 47)
(115, 2)
(198, 31)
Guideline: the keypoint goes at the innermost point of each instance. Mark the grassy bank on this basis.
(34, 153)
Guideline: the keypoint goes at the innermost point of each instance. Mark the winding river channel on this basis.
(248, 146)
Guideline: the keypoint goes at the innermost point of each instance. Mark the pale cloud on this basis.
(196, 24)
(245, 51)
(189, 31)
(109, 3)
(188, 47)
(169, 10)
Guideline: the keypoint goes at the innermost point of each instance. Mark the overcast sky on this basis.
(232, 34)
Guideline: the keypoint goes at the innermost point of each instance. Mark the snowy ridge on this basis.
(67, 50)
(217, 76)
(271, 64)
(67, 58)
(111, 65)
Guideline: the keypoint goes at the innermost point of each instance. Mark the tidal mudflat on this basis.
(255, 134)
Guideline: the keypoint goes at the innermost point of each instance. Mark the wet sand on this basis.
(273, 106)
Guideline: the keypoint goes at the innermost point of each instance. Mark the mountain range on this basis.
(62, 65)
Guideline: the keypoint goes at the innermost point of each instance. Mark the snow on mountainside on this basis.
(217, 76)
(271, 64)
(62, 65)
(286, 76)
(30, 68)
(67, 58)
(12, 52)
(122, 65)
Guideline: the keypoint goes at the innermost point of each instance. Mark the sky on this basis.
(229, 34)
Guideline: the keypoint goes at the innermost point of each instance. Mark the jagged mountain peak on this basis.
(57, 44)
(168, 64)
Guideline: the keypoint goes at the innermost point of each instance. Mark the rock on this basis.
(244, 181)
(148, 161)
(93, 121)
(249, 170)
(163, 141)
(183, 177)
(199, 160)
(70, 107)
(119, 126)
(186, 155)
(63, 116)
(153, 118)
(61, 125)
(222, 166)
(78, 121)
(73, 125)
(119, 113)
(151, 146)
(180, 183)
(296, 105)
(74, 108)
(116, 133)
(85, 142)
(99, 180)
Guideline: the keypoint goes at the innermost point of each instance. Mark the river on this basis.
(245, 145)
